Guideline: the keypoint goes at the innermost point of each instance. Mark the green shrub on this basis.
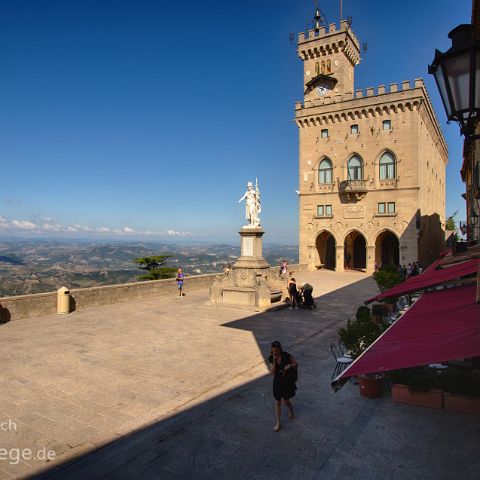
(387, 277)
(455, 380)
(361, 332)
(363, 314)
(418, 379)
(379, 310)
(460, 381)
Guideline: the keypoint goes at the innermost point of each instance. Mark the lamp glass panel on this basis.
(458, 75)
(443, 89)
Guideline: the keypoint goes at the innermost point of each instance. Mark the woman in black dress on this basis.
(284, 370)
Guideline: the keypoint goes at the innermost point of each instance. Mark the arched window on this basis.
(323, 67)
(387, 166)
(325, 171)
(355, 168)
(317, 68)
(329, 66)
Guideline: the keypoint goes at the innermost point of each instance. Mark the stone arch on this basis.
(355, 250)
(387, 248)
(325, 243)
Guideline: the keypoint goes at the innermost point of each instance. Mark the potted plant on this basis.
(361, 332)
(379, 312)
(387, 277)
(416, 386)
(462, 389)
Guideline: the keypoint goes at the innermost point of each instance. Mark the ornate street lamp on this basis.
(456, 73)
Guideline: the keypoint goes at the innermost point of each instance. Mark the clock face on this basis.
(322, 90)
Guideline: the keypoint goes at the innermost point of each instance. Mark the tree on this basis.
(450, 222)
(153, 265)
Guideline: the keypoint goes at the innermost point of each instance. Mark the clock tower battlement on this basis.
(329, 59)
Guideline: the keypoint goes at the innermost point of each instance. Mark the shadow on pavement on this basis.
(338, 435)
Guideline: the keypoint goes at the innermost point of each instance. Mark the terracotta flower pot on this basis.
(455, 403)
(430, 398)
(370, 385)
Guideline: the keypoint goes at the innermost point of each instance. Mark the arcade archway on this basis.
(355, 251)
(326, 250)
(387, 249)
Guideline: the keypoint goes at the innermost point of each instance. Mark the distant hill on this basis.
(39, 266)
(12, 260)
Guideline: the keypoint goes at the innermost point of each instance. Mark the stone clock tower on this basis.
(371, 163)
(329, 58)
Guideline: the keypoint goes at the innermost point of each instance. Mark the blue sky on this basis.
(122, 118)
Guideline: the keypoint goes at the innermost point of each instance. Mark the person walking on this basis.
(180, 279)
(283, 367)
(283, 269)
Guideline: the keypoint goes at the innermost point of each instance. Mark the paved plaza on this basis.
(177, 389)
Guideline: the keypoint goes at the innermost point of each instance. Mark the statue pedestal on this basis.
(246, 286)
(251, 250)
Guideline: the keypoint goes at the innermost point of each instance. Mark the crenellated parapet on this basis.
(325, 41)
(372, 103)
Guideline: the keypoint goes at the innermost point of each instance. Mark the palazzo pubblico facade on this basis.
(371, 163)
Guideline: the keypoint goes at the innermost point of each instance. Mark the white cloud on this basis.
(174, 233)
(3, 223)
(23, 225)
(49, 226)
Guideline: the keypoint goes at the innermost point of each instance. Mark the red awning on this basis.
(430, 278)
(441, 326)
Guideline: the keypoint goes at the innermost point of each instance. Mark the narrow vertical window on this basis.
(387, 166)
(381, 208)
(325, 133)
(353, 129)
(387, 125)
(329, 66)
(317, 69)
(323, 67)
(355, 168)
(320, 211)
(325, 171)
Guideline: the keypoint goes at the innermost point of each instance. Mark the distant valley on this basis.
(37, 266)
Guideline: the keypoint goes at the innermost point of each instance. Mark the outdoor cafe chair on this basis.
(341, 361)
(343, 350)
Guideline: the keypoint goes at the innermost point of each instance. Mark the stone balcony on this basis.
(353, 189)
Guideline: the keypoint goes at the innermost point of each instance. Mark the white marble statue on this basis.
(252, 205)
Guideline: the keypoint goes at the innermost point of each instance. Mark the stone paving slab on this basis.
(175, 388)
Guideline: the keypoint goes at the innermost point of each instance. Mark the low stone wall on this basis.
(82, 298)
(292, 269)
(26, 306)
